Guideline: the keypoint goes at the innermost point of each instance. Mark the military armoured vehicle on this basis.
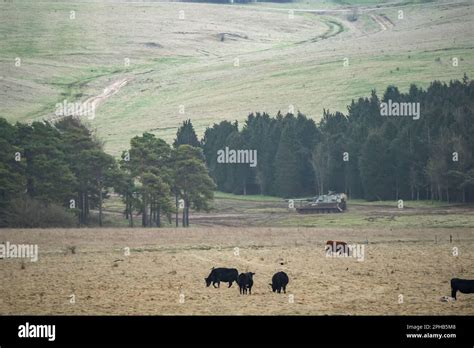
(330, 203)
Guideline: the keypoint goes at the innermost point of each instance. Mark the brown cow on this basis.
(337, 247)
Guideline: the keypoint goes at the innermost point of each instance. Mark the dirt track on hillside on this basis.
(108, 91)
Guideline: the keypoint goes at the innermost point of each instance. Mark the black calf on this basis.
(279, 281)
(245, 282)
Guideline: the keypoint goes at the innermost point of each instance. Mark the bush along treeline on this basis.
(414, 145)
(54, 175)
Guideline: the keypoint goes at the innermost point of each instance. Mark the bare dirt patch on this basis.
(383, 21)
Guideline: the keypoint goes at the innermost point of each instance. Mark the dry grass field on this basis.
(165, 263)
(219, 62)
(149, 66)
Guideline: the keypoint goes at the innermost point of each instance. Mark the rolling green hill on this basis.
(150, 66)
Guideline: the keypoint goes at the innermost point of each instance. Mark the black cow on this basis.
(218, 275)
(245, 282)
(463, 285)
(279, 281)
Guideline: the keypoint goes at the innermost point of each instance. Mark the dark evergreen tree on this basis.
(192, 180)
(288, 178)
(186, 135)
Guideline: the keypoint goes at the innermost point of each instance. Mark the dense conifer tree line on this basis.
(56, 174)
(361, 152)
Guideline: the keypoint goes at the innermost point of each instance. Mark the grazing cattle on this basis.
(336, 247)
(245, 282)
(464, 286)
(279, 281)
(218, 275)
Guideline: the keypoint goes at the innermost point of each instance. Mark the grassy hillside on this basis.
(168, 62)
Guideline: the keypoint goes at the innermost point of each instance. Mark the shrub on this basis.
(354, 15)
(31, 213)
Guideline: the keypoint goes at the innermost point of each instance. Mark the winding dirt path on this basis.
(108, 92)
